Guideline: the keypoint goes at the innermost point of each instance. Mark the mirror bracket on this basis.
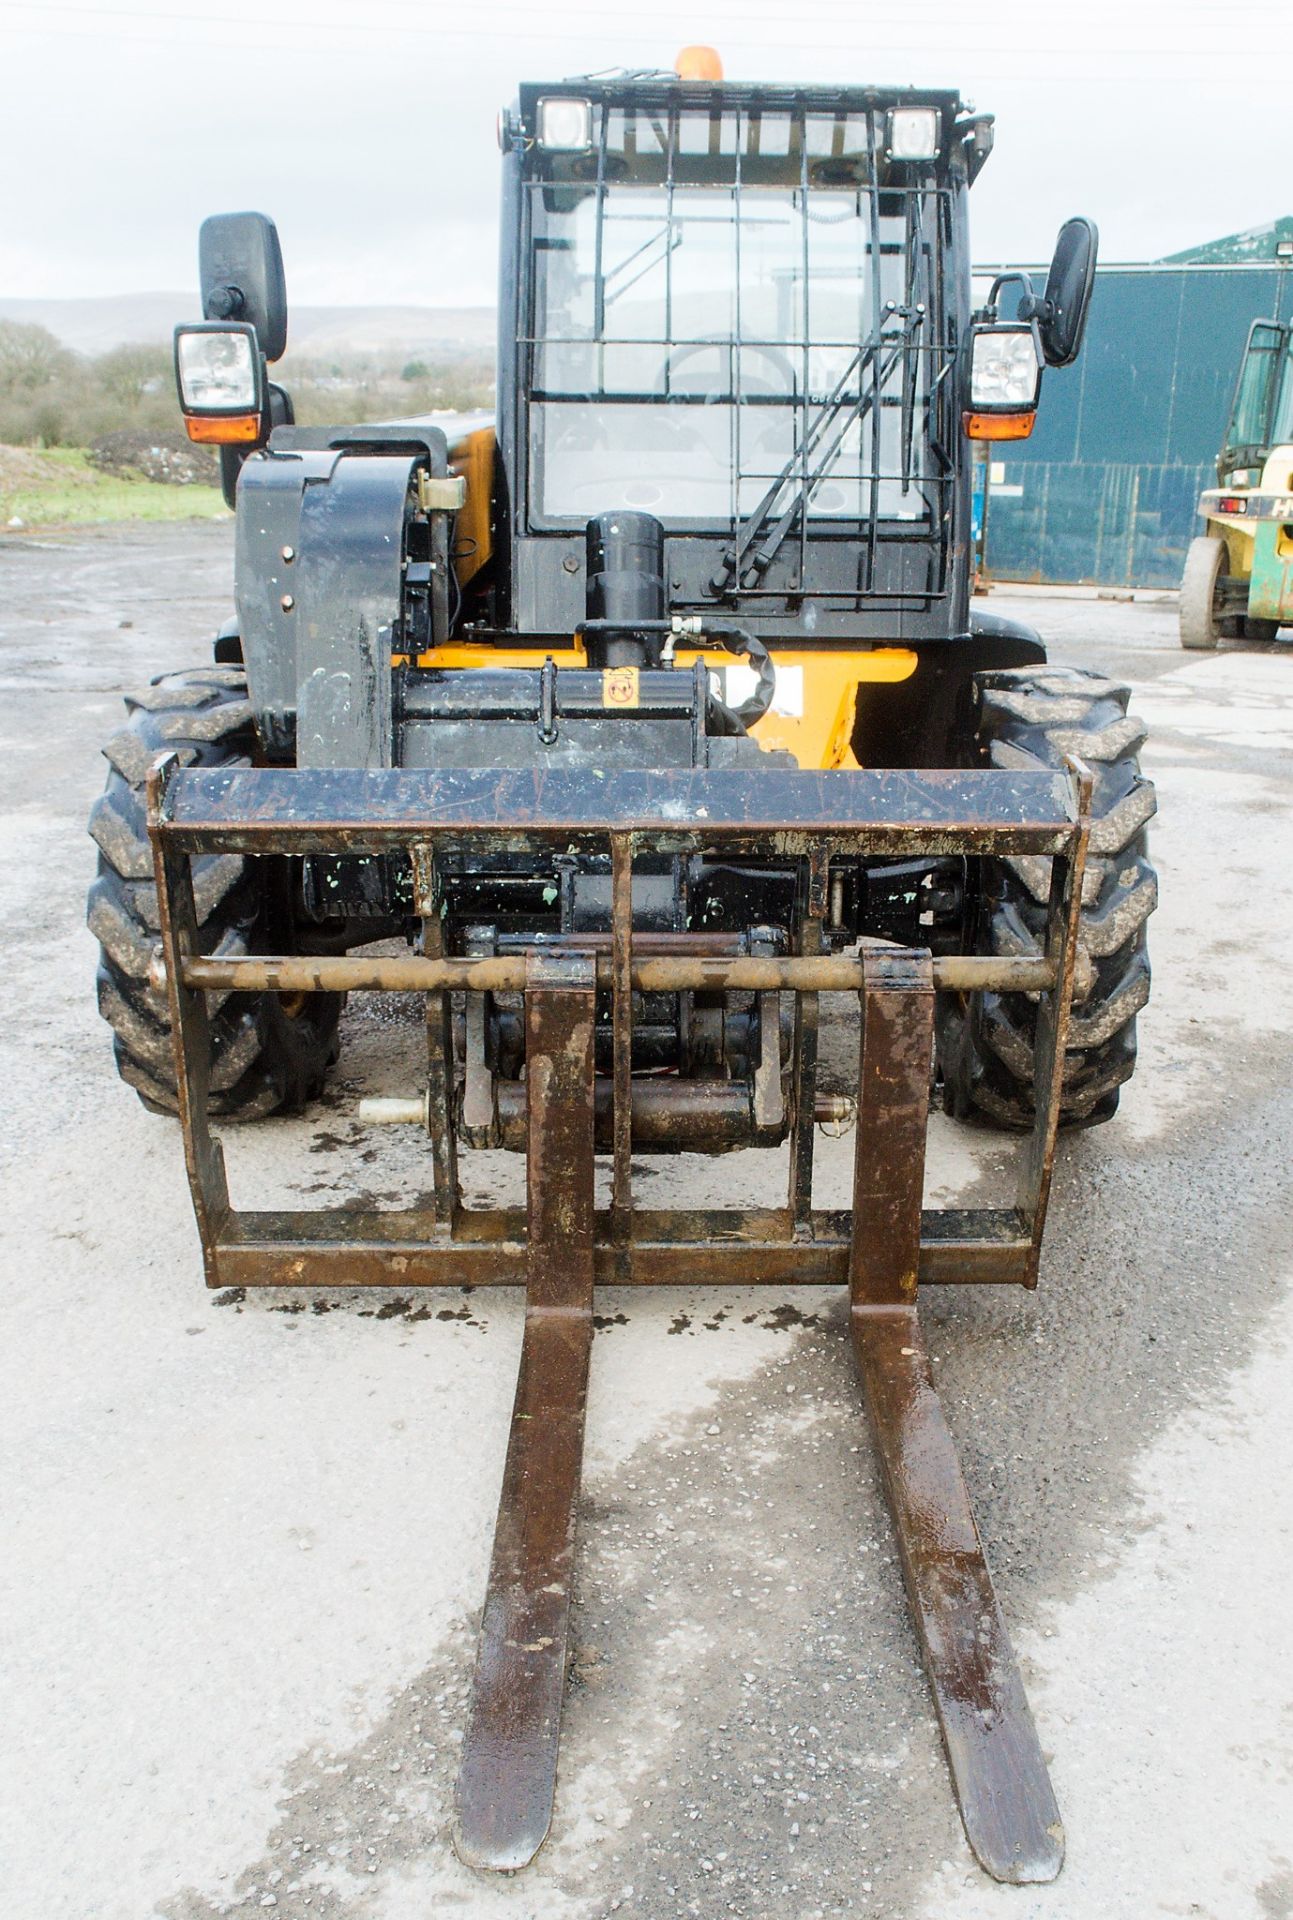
(1060, 313)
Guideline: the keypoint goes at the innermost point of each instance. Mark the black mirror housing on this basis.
(1061, 312)
(240, 264)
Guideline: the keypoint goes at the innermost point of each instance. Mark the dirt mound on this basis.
(166, 457)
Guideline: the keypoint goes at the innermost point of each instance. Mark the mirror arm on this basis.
(1003, 280)
(226, 303)
(279, 412)
(976, 143)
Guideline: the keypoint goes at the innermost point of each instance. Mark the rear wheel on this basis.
(1030, 718)
(267, 1051)
(1201, 622)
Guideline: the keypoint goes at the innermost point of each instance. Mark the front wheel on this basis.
(1031, 718)
(1201, 620)
(268, 1050)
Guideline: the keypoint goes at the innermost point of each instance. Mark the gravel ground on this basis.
(247, 1539)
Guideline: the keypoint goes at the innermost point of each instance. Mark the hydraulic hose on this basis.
(739, 719)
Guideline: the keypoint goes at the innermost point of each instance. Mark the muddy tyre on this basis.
(267, 1051)
(1029, 719)
(1201, 624)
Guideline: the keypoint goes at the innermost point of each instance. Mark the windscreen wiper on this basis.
(732, 566)
(764, 555)
(753, 525)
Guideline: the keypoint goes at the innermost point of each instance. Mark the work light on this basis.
(564, 125)
(913, 133)
(1004, 368)
(221, 381)
(1000, 381)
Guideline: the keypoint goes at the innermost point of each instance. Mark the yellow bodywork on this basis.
(819, 736)
(814, 712)
(1239, 531)
(473, 543)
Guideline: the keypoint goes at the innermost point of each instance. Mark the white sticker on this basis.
(735, 684)
(996, 472)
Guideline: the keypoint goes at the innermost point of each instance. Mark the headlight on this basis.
(913, 133)
(565, 126)
(221, 379)
(217, 369)
(1004, 368)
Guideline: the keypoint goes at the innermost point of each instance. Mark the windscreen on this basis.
(1282, 412)
(1258, 394)
(730, 302)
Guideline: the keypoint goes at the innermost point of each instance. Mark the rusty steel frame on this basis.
(562, 1247)
(508, 1774)
(1002, 1787)
(679, 973)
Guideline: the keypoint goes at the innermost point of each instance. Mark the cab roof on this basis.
(725, 96)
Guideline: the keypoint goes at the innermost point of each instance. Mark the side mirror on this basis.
(241, 267)
(1061, 312)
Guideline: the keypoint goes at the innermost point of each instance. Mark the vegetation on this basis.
(52, 397)
(61, 487)
(88, 439)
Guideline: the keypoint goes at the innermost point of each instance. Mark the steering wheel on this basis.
(781, 361)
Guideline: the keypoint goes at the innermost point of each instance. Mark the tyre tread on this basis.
(260, 1059)
(1033, 718)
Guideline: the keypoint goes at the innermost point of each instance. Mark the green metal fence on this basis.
(1106, 491)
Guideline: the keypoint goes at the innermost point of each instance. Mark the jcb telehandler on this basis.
(650, 710)
(1238, 578)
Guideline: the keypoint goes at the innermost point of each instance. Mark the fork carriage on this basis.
(564, 1247)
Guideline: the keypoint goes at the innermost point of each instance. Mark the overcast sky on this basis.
(367, 129)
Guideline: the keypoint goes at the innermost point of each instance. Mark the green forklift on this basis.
(1238, 578)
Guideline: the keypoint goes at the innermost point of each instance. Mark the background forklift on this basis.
(1238, 578)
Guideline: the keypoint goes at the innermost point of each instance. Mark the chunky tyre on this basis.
(267, 1051)
(1205, 562)
(1030, 718)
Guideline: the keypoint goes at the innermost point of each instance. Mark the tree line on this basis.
(51, 396)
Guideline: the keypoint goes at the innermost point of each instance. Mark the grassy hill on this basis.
(60, 486)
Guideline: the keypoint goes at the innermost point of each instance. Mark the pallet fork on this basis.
(563, 1247)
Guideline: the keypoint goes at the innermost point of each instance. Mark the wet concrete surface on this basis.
(247, 1538)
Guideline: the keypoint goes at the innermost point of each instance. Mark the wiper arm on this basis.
(753, 524)
(764, 556)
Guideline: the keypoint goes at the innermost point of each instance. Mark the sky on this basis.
(368, 130)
